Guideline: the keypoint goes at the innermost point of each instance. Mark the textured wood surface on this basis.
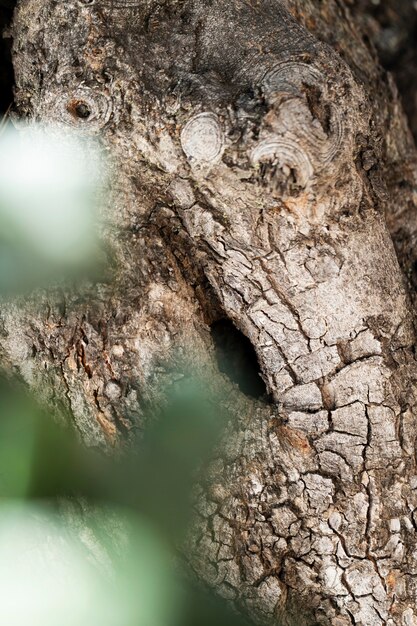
(262, 172)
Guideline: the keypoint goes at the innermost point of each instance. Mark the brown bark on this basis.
(262, 168)
(392, 28)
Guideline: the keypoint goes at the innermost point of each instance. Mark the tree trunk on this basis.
(262, 172)
(392, 27)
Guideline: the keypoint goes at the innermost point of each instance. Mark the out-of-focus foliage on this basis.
(116, 566)
(59, 564)
(50, 574)
(50, 184)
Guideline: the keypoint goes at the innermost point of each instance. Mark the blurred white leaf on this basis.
(49, 577)
(50, 185)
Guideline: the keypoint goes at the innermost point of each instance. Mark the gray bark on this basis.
(263, 172)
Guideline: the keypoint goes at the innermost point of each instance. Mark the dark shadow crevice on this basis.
(6, 66)
(236, 358)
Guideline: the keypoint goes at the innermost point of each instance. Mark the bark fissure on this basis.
(262, 171)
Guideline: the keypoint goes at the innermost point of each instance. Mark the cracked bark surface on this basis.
(263, 172)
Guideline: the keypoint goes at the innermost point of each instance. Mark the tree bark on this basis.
(262, 172)
(392, 27)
